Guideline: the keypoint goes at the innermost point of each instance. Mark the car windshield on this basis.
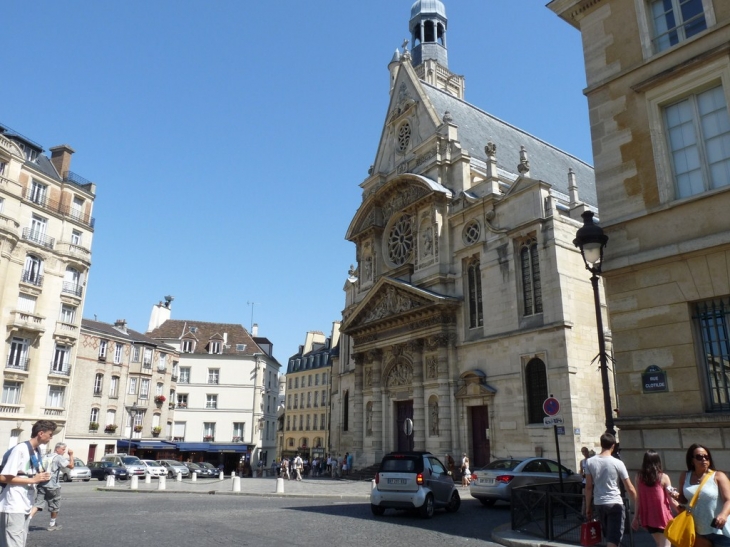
(504, 465)
(193, 466)
(399, 464)
(206, 465)
(132, 460)
(79, 463)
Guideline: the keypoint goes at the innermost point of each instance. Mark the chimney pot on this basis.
(61, 158)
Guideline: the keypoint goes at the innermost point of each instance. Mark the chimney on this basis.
(121, 324)
(61, 158)
(255, 329)
(160, 313)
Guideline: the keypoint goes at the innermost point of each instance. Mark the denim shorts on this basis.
(612, 521)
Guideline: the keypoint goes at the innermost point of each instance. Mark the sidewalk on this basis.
(512, 538)
(306, 488)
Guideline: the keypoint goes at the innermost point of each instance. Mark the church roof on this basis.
(428, 6)
(547, 163)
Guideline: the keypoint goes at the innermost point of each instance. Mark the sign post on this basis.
(551, 407)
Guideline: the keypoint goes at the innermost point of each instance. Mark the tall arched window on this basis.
(474, 281)
(531, 286)
(346, 412)
(537, 390)
(33, 270)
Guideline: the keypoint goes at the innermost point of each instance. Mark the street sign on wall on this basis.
(551, 406)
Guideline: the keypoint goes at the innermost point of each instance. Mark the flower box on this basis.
(110, 428)
(208, 438)
(93, 426)
(137, 428)
(159, 399)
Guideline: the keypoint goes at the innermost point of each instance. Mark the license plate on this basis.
(486, 481)
(397, 481)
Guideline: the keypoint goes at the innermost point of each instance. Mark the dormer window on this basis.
(214, 347)
(188, 346)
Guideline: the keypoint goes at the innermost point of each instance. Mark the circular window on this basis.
(400, 241)
(404, 137)
(472, 232)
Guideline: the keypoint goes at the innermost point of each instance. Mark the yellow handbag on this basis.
(681, 530)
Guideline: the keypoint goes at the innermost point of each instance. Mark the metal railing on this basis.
(37, 237)
(42, 200)
(32, 278)
(18, 364)
(72, 288)
(62, 370)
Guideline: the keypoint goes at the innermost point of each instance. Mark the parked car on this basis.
(201, 471)
(154, 468)
(101, 470)
(173, 466)
(413, 480)
(79, 472)
(496, 480)
(212, 469)
(133, 464)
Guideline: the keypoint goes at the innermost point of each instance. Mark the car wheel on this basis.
(66, 477)
(86, 480)
(377, 510)
(101, 478)
(454, 503)
(487, 502)
(169, 474)
(426, 509)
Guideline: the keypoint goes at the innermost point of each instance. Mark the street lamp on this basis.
(591, 241)
(133, 411)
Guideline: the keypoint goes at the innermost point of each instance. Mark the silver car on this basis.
(79, 472)
(413, 480)
(496, 480)
(133, 464)
(173, 466)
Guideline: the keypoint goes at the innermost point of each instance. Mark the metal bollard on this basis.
(135, 483)
(147, 478)
(195, 476)
(280, 485)
(179, 477)
(236, 484)
(162, 484)
(221, 476)
(110, 481)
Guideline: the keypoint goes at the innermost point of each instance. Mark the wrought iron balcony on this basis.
(173, 378)
(17, 363)
(32, 278)
(60, 370)
(39, 238)
(72, 288)
(161, 368)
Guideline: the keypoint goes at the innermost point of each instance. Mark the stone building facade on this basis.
(469, 304)
(658, 89)
(46, 231)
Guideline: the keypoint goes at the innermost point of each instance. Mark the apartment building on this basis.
(658, 89)
(46, 231)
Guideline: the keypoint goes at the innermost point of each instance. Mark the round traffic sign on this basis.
(551, 406)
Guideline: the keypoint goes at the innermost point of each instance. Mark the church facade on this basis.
(469, 304)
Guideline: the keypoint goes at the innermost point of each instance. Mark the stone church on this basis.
(469, 304)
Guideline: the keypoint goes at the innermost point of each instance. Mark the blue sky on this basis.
(228, 138)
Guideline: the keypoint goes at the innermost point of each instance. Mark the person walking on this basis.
(285, 468)
(465, 471)
(603, 475)
(21, 472)
(298, 466)
(50, 493)
(653, 502)
(349, 459)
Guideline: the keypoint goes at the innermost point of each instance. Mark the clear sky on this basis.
(227, 138)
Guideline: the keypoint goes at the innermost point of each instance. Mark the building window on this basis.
(209, 431)
(102, 349)
(296, 382)
(18, 357)
(182, 400)
(98, 383)
(321, 421)
(698, 130)
(76, 237)
(324, 378)
(309, 419)
(675, 21)
(213, 375)
(712, 319)
(133, 386)
(135, 354)
(188, 346)
(324, 397)
(288, 402)
(400, 241)
(290, 383)
(316, 399)
(474, 281)
(118, 350)
(159, 388)
(301, 422)
(214, 347)
(144, 388)
(147, 359)
(346, 411)
(211, 401)
(38, 193)
(288, 423)
(114, 387)
(536, 390)
(184, 375)
(309, 381)
(309, 399)
(531, 284)
(61, 357)
(314, 422)
(296, 400)
(11, 392)
(316, 379)
(68, 314)
(472, 232)
(33, 271)
(239, 431)
(94, 416)
(111, 417)
(162, 362)
(55, 396)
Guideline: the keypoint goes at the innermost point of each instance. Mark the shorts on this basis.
(718, 540)
(612, 519)
(653, 530)
(51, 496)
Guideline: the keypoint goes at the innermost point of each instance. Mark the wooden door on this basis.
(403, 412)
(92, 453)
(480, 436)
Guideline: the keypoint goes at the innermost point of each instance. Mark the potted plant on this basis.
(93, 426)
(207, 438)
(110, 428)
(236, 439)
(156, 431)
(137, 428)
(159, 399)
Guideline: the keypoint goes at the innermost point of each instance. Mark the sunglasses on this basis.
(702, 457)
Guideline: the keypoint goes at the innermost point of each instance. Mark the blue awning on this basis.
(192, 447)
(145, 445)
(237, 447)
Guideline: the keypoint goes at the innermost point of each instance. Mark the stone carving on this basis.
(427, 241)
(400, 375)
(404, 197)
(432, 366)
(524, 166)
(391, 303)
(368, 377)
(490, 149)
(434, 413)
(447, 117)
(368, 268)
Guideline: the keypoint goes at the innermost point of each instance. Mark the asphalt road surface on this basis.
(124, 519)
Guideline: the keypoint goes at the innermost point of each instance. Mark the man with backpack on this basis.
(50, 493)
(21, 471)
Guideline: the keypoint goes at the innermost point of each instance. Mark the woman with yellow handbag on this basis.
(712, 506)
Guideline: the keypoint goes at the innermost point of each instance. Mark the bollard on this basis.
(110, 481)
(280, 485)
(233, 474)
(195, 476)
(236, 484)
(135, 483)
(147, 478)
(221, 476)
(179, 477)
(162, 484)
(372, 485)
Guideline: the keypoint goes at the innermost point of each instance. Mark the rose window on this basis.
(400, 241)
(472, 232)
(404, 137)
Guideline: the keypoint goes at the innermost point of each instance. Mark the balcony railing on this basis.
(53, 412)
(72, 288)
(173, 378)
(161, 368)
(28, 321)
(67, 329)
(16, 363)
(10, 409)
(32, 278)
(8, 224)
(57, 207)
(37, 237)
(74, 250)
(61, 370)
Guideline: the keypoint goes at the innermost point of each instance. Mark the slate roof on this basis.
(547, 163)
(306, 363)
(107, 329)
(203, 332)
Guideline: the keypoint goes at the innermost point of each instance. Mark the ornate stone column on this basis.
(375, 359)
(447, 350)
(357, 409)
(419, 405)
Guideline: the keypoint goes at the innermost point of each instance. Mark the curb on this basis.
(348, 497)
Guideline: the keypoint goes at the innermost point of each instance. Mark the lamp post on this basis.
(591, 241)
(133, 411)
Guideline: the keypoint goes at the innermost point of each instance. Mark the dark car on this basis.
(101, 470)
(212, 469)
(203, 472)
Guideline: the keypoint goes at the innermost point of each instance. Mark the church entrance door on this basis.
(480, 436)
(404, 428)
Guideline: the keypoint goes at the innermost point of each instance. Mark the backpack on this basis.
(35, 461)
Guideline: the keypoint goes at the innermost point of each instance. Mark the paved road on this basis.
(127, 519)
